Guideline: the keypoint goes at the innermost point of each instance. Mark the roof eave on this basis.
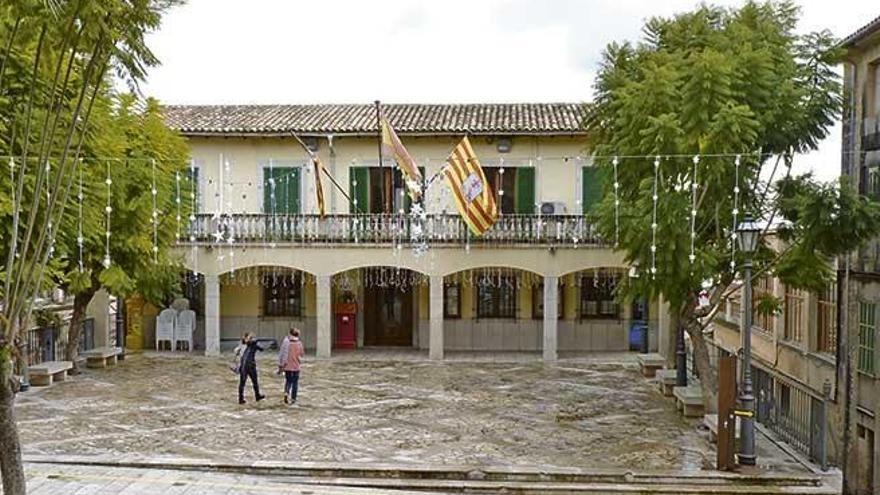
(280, 134)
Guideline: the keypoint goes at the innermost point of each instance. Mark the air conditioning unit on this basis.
(553, 208)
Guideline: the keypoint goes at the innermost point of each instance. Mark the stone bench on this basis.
(666, 380)
(689, 400)
(711, 422)
(44, 374)
(101, 357)
(650, 363)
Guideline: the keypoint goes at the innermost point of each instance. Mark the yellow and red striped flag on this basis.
(391, 144)
(319, 187)
(472, 192)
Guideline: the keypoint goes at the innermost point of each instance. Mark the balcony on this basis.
(569, 231)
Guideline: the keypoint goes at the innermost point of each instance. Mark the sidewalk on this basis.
(53, 479)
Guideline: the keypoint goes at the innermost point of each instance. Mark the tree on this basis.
(129, 140)
(55, 55)
(717, 82)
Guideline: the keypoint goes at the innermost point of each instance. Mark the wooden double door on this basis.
(388, 316)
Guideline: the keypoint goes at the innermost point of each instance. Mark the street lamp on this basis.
(747, 234)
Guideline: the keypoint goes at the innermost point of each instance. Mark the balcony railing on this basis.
(550, 230)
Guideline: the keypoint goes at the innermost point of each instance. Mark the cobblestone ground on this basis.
(588, 412)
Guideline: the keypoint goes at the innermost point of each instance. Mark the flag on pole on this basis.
(473, 195)
(319, 188)
(319, 169)
(391, 144)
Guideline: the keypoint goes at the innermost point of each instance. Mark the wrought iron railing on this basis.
(554, 230)
(48, 343)
(794, 412)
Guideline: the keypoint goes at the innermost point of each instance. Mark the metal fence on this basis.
(794, 412)
(48, 344)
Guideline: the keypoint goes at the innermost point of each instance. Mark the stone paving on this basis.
(593, 412)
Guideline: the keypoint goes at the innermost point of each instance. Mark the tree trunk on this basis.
(708, 375)
(11, 468)
(74, 332)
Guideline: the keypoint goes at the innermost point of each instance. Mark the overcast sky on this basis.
(399, 51)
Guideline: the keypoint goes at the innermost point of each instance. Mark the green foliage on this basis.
(722, 81)
(768, 305)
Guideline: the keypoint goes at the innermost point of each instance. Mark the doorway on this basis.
(388, 316)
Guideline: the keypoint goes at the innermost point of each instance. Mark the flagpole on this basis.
(332, 180)
(379, 130)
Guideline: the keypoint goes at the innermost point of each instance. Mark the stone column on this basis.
(325, 316)
(212, 315)
(551, 318)
(435, 309)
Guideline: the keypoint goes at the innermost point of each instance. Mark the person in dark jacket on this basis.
(248, 367)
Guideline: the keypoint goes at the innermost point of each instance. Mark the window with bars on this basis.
(597, 296)
(867, 335)
(826, 320)
(496, 296)
(794, 312)
(282, 294)
(452, 301)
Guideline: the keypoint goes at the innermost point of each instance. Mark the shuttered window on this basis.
(593, 182)
(525, 190)
(359, 190)
(281, 190)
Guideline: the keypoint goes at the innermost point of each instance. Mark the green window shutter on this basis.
(292, 182)
(525, 190)
(359, 189)
(593, 181)
(268, 175)
(287, 190)
(193, 189)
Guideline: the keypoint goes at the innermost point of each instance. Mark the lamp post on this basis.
(747, 234)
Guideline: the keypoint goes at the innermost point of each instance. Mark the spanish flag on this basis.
(391, 144)
(473, 195)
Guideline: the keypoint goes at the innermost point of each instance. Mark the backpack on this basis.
(235, 367)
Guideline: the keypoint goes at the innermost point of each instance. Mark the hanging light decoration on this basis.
(736, 164)
(654, 219)
(693, 257)
(108, 210)
(79, 220)
(155, 216)
(615, 162)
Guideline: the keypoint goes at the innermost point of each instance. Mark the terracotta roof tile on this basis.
(525, 118)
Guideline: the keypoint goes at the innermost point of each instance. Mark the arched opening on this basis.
(267, 301)
(593, 317)
(493, 309)
(379, 306)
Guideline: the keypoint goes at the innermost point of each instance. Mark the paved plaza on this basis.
(371, 407)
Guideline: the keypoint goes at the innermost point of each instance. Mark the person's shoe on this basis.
(242, 401)
(286, 399)
(260, 397)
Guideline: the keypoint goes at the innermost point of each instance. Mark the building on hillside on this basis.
(861, 165)
(540, 280)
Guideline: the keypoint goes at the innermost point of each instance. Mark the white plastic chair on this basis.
(165, 328)
(183, 332)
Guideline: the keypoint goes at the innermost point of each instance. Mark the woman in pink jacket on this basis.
(289, 362)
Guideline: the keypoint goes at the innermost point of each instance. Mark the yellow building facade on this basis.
(373, 272)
